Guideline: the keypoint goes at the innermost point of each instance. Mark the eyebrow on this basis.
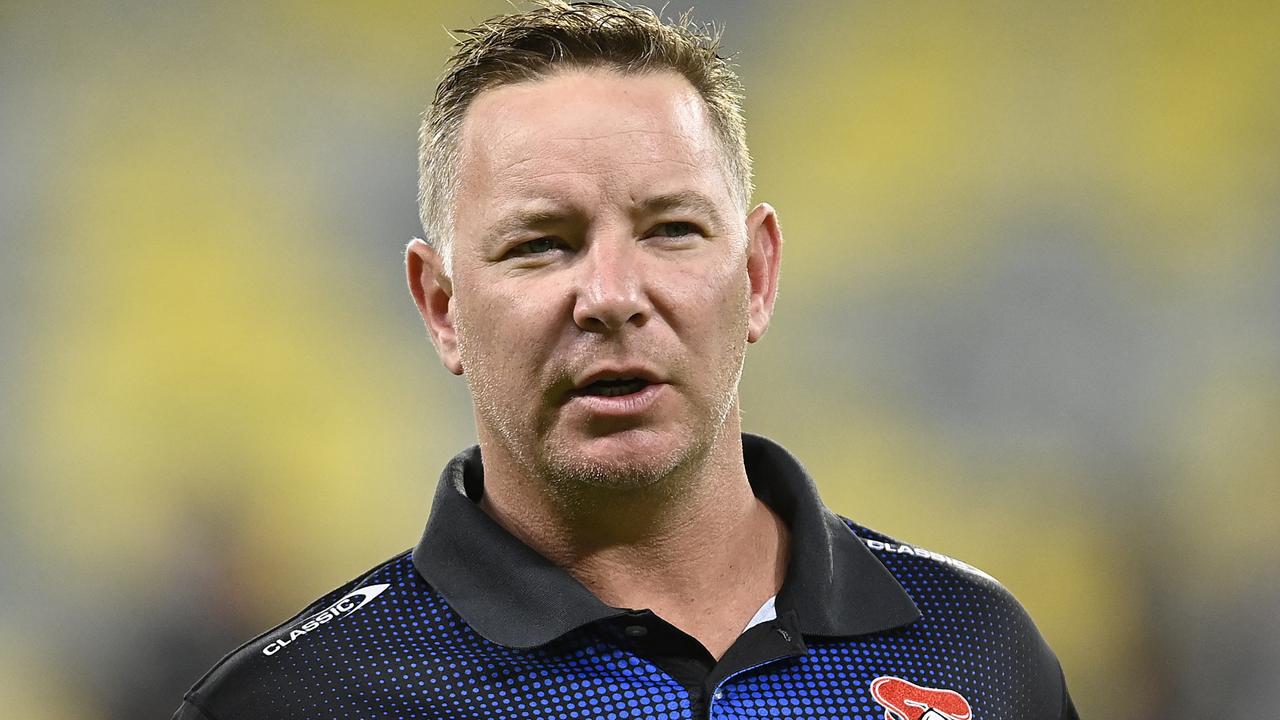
(523, 219)
(690, 200)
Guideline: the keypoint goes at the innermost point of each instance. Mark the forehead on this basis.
(587, 135)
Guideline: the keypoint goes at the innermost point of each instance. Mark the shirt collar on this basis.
(512, 595)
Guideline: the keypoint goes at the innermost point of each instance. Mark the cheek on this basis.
(707, 310)
(719, 298)
(500, 336)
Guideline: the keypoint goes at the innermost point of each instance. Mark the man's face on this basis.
(602, 295)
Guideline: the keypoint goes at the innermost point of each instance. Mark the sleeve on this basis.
(1068, 707)
(190, 711)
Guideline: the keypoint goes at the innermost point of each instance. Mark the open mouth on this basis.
(613, 388)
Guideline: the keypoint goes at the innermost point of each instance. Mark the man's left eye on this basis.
(676, 229)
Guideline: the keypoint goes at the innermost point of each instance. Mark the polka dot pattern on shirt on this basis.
(407, 654)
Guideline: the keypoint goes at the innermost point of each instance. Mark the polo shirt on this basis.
(473, 623)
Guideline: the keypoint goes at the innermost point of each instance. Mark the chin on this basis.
(629, 460)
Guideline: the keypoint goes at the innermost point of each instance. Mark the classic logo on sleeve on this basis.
(900, 549)
(348, 604)
(907, 701)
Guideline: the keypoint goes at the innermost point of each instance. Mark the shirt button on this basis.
(636, 631)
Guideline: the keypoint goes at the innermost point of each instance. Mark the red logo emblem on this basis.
(906, 701)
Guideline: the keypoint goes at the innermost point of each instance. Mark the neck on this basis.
(698, 548)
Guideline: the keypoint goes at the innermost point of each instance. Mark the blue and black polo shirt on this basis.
(472, 623)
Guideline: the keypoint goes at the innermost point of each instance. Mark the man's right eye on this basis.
(537, 246)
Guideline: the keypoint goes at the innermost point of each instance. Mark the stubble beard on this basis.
(576, 481)
(580, 482)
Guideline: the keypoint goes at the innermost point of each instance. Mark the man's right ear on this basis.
(432, 291)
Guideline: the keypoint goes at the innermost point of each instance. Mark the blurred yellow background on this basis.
(1029, 317)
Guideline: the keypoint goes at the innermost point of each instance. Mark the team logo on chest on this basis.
(907, 701)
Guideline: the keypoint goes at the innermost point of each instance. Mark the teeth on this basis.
(614, 388)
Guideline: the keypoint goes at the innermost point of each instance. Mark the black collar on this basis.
(515, 597)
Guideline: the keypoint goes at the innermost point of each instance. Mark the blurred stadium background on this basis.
(1030, 317)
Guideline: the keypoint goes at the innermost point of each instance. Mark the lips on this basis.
(616, 392)
(613, 388)
(614, 382)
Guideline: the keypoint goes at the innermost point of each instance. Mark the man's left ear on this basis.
(764, 257)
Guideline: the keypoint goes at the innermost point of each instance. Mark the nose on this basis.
(611, 291)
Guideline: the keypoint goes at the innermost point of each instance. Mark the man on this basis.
(615, 546)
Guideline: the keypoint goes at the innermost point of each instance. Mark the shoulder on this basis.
(907, 560)
(946, 589)
(965, 612)
(312, 649)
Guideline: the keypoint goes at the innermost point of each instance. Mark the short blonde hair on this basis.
(556, 35)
